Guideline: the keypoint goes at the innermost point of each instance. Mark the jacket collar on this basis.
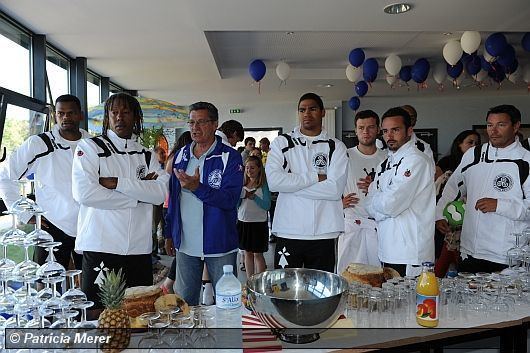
(496, 151)
(322, 136)
(121, 142)
(57, 135)
(402, 151)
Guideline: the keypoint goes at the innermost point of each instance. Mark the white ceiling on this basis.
(189, 50)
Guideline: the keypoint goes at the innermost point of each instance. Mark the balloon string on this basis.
(528, 87)
(441, 87)
(259, 87)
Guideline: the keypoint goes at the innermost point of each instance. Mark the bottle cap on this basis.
(228, 268)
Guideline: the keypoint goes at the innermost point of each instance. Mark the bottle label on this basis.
(228, 301)
(427, 307)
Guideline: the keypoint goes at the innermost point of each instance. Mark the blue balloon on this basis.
(473, 65)
(510, 69)
(420, 70)
(257, 70)
(455, 71)
(356, 57)
(466, 57)
(354, 103)
(497, 73)
(486, 66)
(405, 73)
(507, 57)
(370, 68)
(525, 42)
(496, 44)
(361, 88)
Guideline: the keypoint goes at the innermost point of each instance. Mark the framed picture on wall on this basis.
(481, 129)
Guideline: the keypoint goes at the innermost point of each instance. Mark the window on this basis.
(57, 67)
(114, 88)
(14, 58)
(93, 92)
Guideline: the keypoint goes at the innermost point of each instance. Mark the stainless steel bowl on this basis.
(297, 303)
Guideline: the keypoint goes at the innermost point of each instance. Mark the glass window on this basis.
(19, 125)
(93, 92)
(57, 67)
(114, 88)
(14, 58)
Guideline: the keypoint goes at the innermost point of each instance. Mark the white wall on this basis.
(450, 115)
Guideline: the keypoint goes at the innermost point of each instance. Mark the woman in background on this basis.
(252, 216)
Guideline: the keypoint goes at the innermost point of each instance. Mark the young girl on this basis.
(252, 216)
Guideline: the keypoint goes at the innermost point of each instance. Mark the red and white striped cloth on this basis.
(257, 337)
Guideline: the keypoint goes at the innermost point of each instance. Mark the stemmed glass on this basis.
(39, 235)
(5, 263)
(55, 303)
(23, 203)
(14, 235)
(25, 293)
(51, 268)
(26, 267)
(515, 253)
(74, 295)
(83, 306)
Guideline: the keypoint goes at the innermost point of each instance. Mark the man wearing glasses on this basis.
(203, 194)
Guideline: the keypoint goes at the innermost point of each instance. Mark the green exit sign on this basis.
(235, 111)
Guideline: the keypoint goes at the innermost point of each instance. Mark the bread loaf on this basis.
(139, 300)
(363, 273)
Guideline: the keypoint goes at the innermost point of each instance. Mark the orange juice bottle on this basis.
(427, 296)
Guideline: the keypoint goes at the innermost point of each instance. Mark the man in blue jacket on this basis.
(203, 194)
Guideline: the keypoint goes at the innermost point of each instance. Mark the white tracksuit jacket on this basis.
(402, 200)
(306, 208)
(49, 156)
(116, 221)
(499, 173)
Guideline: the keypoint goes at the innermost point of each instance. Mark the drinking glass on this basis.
(39, 235)
(51, 268)
(515, 253)
(74, 295)
(83, 306)
(27, 267)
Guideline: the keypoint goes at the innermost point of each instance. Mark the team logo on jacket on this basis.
(140, 171)
(214, 178)
(503, 182)
(320, 161)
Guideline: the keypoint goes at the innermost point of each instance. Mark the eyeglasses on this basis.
(192, 123)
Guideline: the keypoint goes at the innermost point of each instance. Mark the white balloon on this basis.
(515, 76)
(481, 75)
(470, 41)
(526, 75)
(439, 73)
(283, 70)
(354, 74)
(452, 52)
(391, 80)
(393, 64)
(488, 57)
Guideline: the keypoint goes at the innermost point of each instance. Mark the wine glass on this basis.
(39, 235)
(27, 267)
(6, 265)
(23, 203)
(51, 268)
(515, 253)
(73, 295)
(83, 306)
(13, 235)
(55, 303)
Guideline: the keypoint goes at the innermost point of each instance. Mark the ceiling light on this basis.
(447, 33)
(289, 33)
(394, 9)
(328, 85)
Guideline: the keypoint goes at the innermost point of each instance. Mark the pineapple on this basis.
(114, 320)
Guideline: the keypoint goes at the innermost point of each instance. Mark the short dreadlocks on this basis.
(131, 103)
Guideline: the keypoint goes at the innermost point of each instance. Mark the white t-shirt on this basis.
(359, 166)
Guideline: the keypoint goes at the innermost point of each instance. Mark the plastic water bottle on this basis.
(228, 300)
